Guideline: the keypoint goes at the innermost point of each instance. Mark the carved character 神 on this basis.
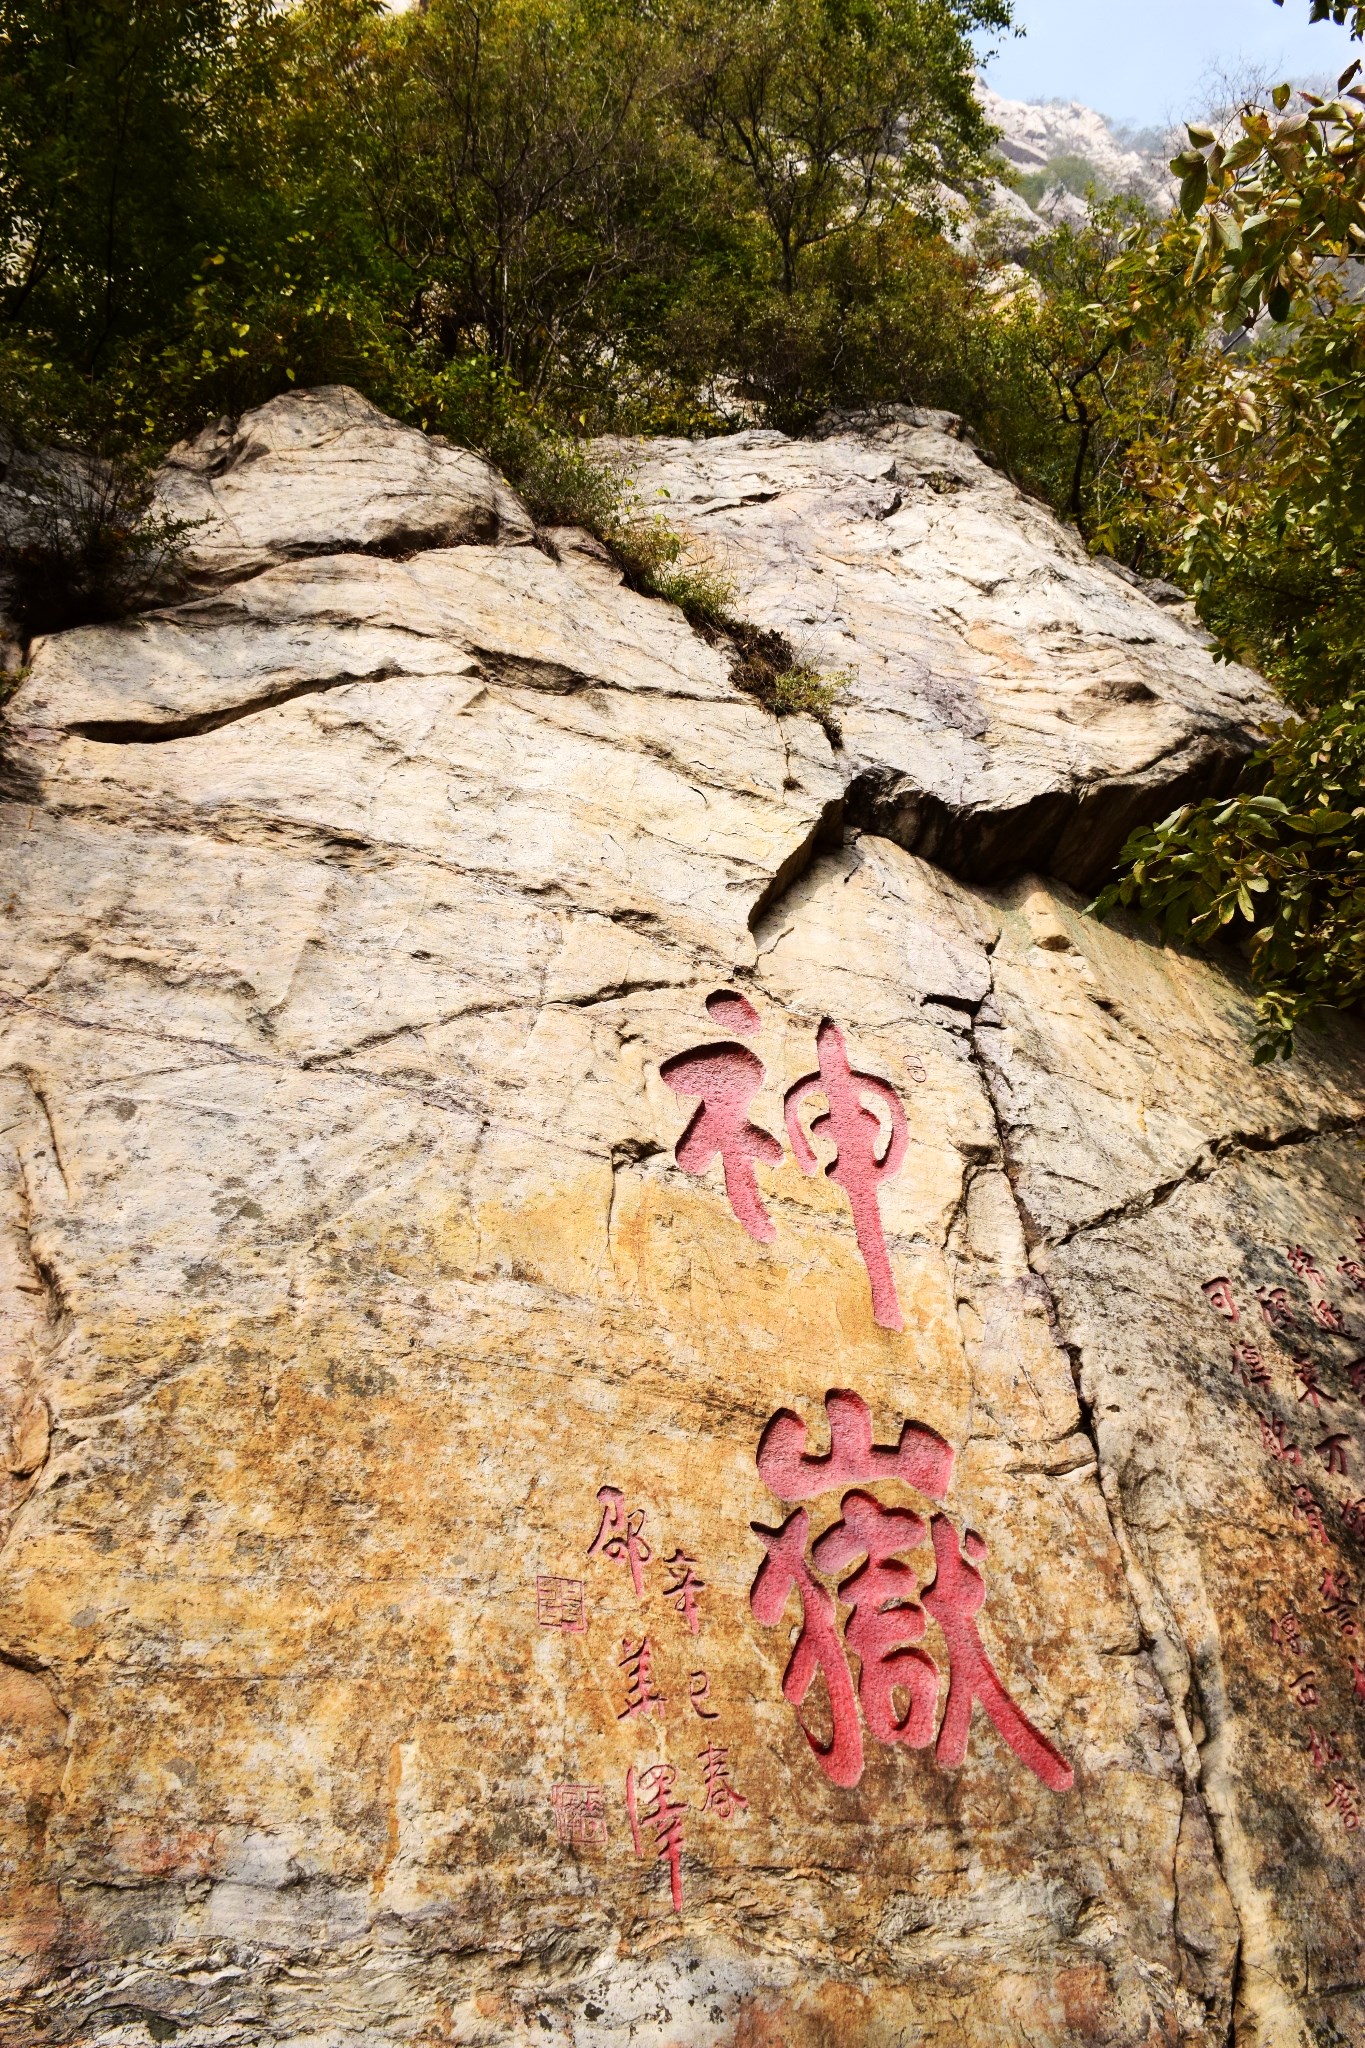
(858, 1165)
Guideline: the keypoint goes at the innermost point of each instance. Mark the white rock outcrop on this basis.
(323, 473)
(1034, 135)
(493, 1558)
(1011, 703)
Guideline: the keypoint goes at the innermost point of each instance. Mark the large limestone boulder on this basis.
(1010, 703)
(500, 1550)
(321, 473)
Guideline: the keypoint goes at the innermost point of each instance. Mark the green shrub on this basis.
(82, 541)
(1281, 867)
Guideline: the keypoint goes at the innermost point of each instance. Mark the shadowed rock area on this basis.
(441, 1601)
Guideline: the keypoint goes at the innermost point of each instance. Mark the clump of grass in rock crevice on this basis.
(566, 484)
(82, 541)
(769, 669)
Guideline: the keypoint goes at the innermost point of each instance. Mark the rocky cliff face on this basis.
(502, 1548)
(1062, 145)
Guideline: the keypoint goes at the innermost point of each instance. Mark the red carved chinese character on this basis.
(559, 1604)
(699, 1695)
(1218, 1294)
(1329, 1317)
(857, 1166)
(1303, 1691)
(1332, 1451)
(641, 1697)
(1323, 1750)
(886, 1616)
(1272, 1437)
(1344, 1800)
(661, 1813)
(1353, 1515)
(618, 1536)
(1353, 1273)
(1287, 1631)
(1336, 1602)
(886, 1621)
(1275, 1308)
(684, 1587)
(1306, 1373)
(721, 1796)
(1249, 1366)
(1306, 1509)
(1304, 1264)
(954, 1599)
(580, 1813)
(817, 1646)
(921, 1459)
(726, 1078)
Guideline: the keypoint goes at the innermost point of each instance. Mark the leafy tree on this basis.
(1284, 864)
(1339, 11)
(1087, 396)
(130, 145)
(507, 153)
(1261, 495)
(833, 111)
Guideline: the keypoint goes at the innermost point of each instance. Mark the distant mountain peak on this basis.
(1060, 149)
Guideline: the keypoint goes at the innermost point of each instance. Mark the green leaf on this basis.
(1192, 190)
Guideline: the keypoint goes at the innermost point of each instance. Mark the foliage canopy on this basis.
(1257, 488)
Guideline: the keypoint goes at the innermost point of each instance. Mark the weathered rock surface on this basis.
(322, 473)
(1011, 703)
(1036, 136)
(357, 914)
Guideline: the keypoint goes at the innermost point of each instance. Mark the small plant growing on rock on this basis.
(664, 563)
(769, 669)
(566, 484)
(81, 541)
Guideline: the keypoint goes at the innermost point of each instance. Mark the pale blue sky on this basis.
(1144, 60)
